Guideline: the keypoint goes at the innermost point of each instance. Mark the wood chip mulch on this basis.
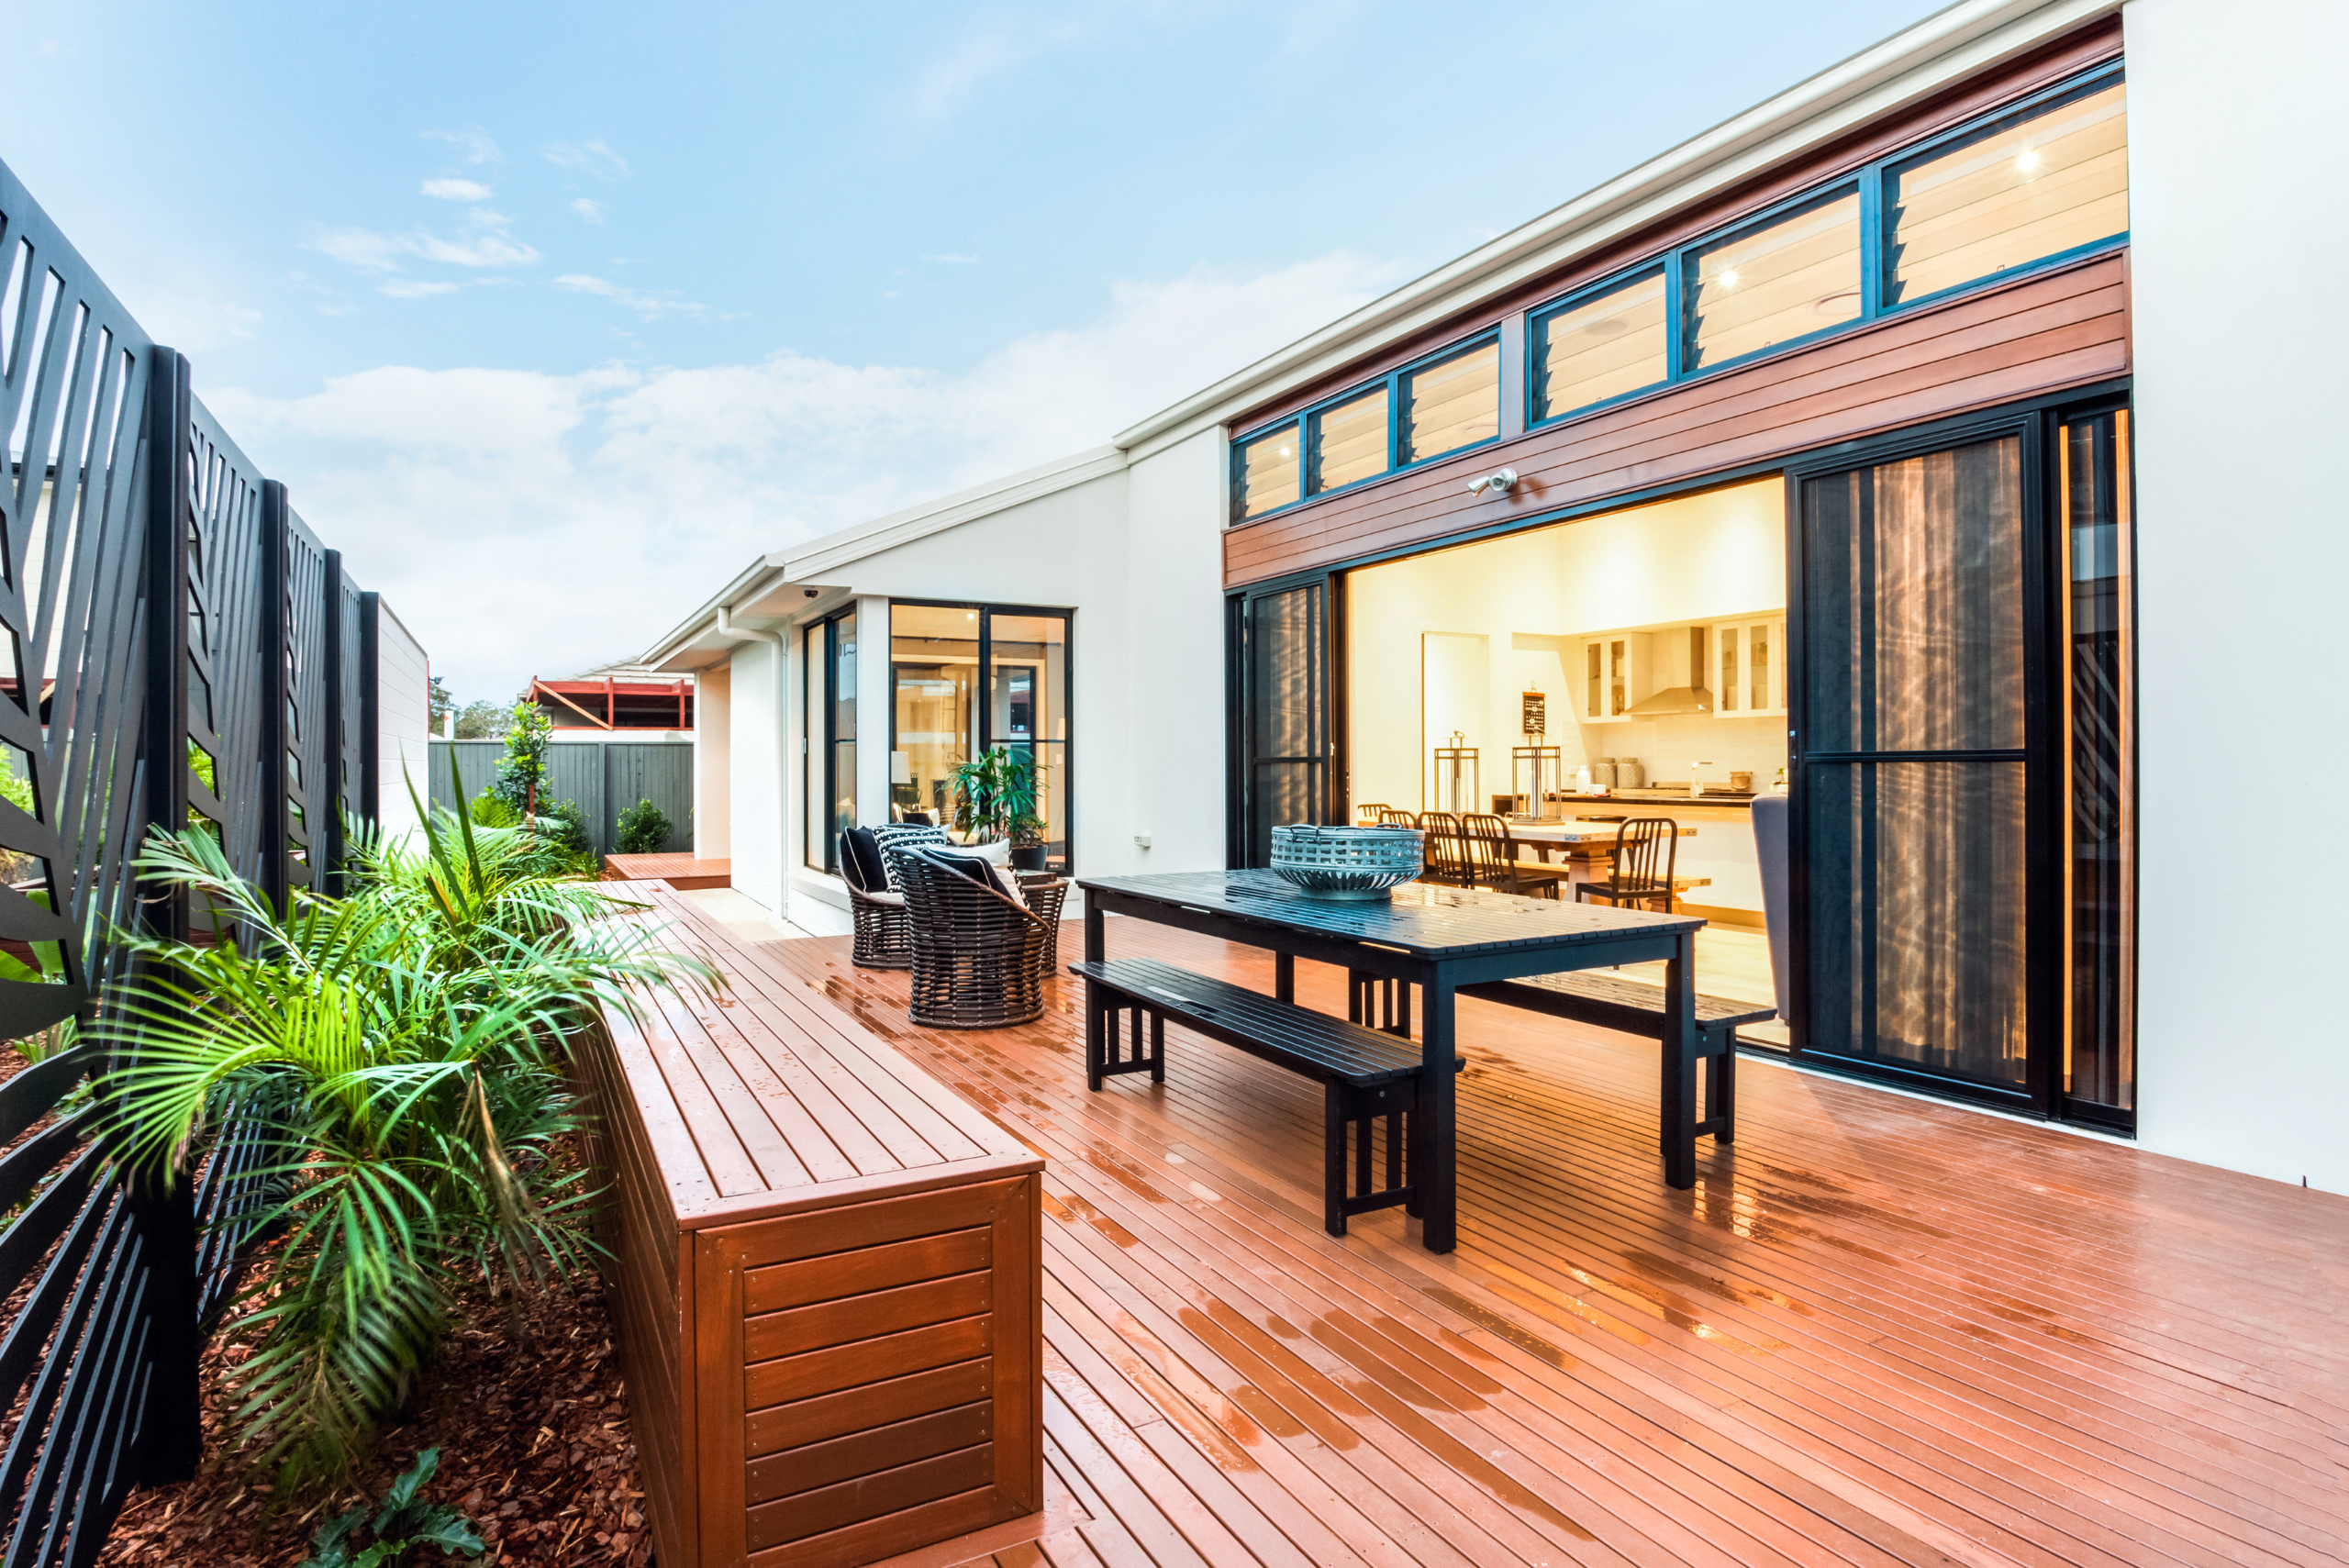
(531, 1421)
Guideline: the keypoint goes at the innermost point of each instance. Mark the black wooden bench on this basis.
(1610, 1001)
(1366, 1075)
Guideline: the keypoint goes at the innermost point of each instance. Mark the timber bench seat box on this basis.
(1366, 1075)
(825, 1277)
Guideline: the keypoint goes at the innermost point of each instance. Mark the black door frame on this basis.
(2040, 421)
(1239, 711)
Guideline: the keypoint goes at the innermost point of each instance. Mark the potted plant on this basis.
(994, 796)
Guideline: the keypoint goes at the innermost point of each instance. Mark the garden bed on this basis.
(531, 1421)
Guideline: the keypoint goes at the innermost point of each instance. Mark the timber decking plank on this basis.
(2162, 1424)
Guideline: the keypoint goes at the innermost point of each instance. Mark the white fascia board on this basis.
(833, 552)
(1910, 65)
(693, 625)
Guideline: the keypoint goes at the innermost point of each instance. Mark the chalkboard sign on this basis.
(1537, 714)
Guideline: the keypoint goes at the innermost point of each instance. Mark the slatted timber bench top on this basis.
(768, 1098)
(1301, 1040)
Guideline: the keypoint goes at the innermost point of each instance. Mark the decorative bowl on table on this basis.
(1346, 862)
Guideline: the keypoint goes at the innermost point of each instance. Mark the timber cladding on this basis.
(825, 1274)
(2068, 328)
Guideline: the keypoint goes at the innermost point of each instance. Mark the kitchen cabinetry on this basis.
(1749, 674)
(1617, 670)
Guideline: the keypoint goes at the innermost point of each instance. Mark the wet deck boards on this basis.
(1878, 1331)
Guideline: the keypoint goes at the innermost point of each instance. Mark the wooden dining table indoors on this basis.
(1438, 939)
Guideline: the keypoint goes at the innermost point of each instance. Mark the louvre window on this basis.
(1451, 404)
(2015, 193)
(1605, 346)
(1778, 281)
(1268, 470)
(1349, 440)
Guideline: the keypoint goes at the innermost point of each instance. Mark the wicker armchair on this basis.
(978, 953)
(1045, 895)
(884, 934)
(895, 838)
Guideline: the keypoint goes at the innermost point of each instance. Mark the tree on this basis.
(442, 701)
(522, 771)
(479, 721)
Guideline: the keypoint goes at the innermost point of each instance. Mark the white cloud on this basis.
(486, 241)
(653, 306)
(588, 157)
(534, 524)
(472, 145)
(593, 211)
(455, 190)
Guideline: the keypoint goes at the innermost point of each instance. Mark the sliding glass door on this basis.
(1280, 707)
(1922, 840)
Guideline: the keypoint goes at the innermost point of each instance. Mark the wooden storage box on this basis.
(826, 1280)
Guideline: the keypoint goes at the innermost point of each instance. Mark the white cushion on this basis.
(995, 854)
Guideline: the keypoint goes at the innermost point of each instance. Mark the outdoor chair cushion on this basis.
(895, 838)
(861, 855)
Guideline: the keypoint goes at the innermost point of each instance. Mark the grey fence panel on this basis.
(603, 777)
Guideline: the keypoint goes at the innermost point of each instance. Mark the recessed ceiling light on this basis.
(1728, 280)
(2027, 162)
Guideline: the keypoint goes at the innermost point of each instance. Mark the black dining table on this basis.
(1438, 939)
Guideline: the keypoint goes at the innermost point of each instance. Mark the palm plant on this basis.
(995, 794)
(401, 1049)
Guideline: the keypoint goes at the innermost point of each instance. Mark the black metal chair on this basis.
(978, 953)
(1493, 862)
(1446, 851)
(1645, 848)
(883, 939)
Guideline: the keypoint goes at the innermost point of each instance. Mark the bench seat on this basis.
(1366, 1073)
(1611, 1002)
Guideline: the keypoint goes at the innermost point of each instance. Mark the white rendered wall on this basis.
(402, 717)
(2236, 122)
(713, 768)
(1173, 703)
(755, 840)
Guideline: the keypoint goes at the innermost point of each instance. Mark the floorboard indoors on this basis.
(1878, 1331)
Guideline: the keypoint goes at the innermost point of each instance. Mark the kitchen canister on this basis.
(1629, 774)
(1602, 775)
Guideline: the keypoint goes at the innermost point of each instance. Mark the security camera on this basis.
(810, 593)
(1501, 482)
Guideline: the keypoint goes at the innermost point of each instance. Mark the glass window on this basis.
(2053, 182)
(934, 670)
(1787, 279)
(843, 779)
(1268, 472)
(1028, 712)
(1349, 440)
(1452, 405)
(1604, 346)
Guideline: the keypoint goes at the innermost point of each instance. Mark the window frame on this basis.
(1537, 325)
(984, 736)
(1306, 420)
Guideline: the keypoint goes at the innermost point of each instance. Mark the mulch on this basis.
(528, 1410)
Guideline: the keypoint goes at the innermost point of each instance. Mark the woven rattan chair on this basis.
(883, 938)
(1045, 895)
(896, 838)
(978, 953)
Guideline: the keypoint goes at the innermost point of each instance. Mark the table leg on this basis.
(1434, 1174)
(1679, 1097)
(1284, 976)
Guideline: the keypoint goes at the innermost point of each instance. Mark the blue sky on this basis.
(553, 316)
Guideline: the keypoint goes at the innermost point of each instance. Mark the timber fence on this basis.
(605, 777)
(175, 644)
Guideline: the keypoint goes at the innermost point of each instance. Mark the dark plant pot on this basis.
(1028, 857)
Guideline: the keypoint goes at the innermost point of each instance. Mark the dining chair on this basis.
(1645, 848)
(1390, 817)
(1447, 854)
(1493, 862)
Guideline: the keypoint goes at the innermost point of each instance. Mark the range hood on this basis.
(1673, 700)
(1670, 701)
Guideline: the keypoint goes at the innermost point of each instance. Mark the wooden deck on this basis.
(681, 872)
(1878, 1331)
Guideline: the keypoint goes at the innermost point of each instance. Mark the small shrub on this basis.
(405, 1524)
(490, 810)
(563, 825)
(643, 830)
